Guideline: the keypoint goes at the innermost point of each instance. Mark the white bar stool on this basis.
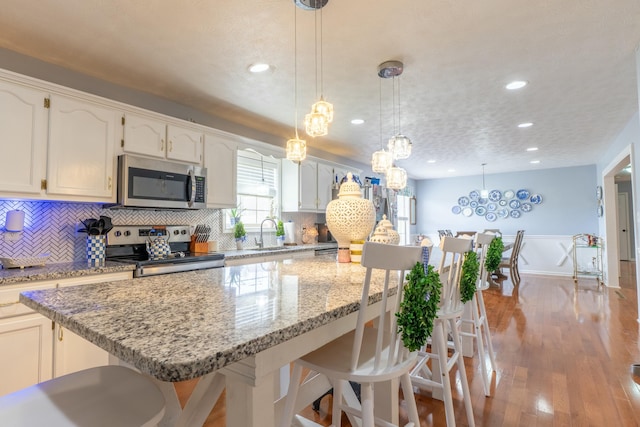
(106, 396)
(478, 319)
(450, 310)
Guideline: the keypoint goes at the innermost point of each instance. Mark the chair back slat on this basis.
(396, 261)
(453, 250)
(483, 240)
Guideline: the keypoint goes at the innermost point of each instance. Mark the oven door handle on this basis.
(191, 188)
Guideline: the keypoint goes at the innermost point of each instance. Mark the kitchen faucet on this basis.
(260, 243)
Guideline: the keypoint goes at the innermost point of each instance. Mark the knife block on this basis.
(200, 247)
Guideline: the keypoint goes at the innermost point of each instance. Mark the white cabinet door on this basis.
(325, 183)
(23, 132)
(308, 186)
(81, 149)
(221, 161)
(73, 353)
(144, 135)
(25, 352)
(184, 144)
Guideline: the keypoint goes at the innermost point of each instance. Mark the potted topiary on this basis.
(280, 233)
(494, 255)
(469, 276)
(240, 234)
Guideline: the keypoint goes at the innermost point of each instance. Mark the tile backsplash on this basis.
(50, 227)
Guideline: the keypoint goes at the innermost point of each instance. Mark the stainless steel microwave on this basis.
(151, 183)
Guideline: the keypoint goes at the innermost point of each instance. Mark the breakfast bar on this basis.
(233, 327)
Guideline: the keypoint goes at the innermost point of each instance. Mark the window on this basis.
(258, 183)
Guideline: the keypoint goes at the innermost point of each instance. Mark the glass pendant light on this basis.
(484, 193)
(396, 178)
(381, 160)
(317, 121)
(399, 145)
(296, 149)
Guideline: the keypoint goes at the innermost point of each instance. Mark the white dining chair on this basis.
(478, 319)
(449, 311)
(105, 396)
(366, 355)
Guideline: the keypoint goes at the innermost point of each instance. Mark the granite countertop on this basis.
(185, 325)
(65, 270)
(254, 252)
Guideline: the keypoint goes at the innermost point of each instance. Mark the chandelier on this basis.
(317, 121)
(484, 193)
(296, 149)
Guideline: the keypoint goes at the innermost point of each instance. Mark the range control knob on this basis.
(127, 233)
(176, 232)
(183, 232)
(117, 233)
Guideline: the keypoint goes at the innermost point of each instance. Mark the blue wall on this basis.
(568, 202)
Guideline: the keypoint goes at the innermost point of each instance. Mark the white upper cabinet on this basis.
(306, 186)
(184, 144)
(23, 136)
(326, 177)
(81, 155)
(154, 137)
(144, 135)
(220, 159)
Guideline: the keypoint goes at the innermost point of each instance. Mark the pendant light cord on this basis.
(295, 67)
(399, 114)
(315, 38)
(321, 57)
(380, 94)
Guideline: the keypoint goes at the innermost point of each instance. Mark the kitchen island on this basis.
(233, 327)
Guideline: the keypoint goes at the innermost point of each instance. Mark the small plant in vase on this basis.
(240, 234)
(280, 233)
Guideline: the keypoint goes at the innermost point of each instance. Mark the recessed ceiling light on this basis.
(431, 161)
(534, 162)
(259, 67)
(357, 121)
(451, 170)
(525, 125)
(517, 84)
(532, 149)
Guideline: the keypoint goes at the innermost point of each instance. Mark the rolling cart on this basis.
(587, 257)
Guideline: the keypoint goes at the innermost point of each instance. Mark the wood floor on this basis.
(563, 353)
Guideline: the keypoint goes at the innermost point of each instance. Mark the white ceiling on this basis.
(578, 56)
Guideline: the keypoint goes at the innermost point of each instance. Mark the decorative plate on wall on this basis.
(473, 204)
(536, 199)
(526, 207)
(481, 210)
(502, 202)
(523, 194)
(514, 214)
(467, 211)
(495, 195)
(514, 204)
(482, 201)
(474, 195)
(503, 213)
(456, 210)
(492, 207)
(509, 194)
(490, 216)
(463, 201)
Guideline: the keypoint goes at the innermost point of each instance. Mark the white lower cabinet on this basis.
(32, 348)
(25, 352)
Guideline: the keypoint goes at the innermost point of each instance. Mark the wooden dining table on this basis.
(235, 328)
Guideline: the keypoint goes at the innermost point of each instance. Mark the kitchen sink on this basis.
(270, 249)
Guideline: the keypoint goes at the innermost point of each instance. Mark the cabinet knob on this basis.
(60, 334)
(162, 145)
(109, 185)
(170, 145)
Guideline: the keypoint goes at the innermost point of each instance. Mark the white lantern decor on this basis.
(349, 217)
(394, 237)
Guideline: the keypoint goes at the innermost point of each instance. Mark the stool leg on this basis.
(477, 326)
(336, 411)
(487, 331)
(367, 405)
(441, 348)
(407, 391)
(463, 374)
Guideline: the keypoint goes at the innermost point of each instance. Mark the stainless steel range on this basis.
(128, 244)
